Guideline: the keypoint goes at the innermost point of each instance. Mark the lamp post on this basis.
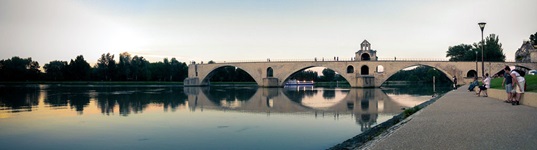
(476, 71)
(482, 26)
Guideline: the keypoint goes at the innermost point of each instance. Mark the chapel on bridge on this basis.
(366, 53)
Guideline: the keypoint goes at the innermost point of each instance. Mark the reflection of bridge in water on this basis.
(364, 104)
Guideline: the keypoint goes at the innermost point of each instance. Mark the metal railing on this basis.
(342, 60)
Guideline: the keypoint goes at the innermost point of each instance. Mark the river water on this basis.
(172, 117)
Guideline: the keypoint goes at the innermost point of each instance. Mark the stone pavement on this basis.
(461, 120)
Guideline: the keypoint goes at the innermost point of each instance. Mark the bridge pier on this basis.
(365, 81)
(193, 81)
(270, 82)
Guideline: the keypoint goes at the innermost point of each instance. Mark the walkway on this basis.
(461, 120)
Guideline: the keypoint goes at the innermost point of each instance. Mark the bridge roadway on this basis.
(358, 73)
(461, 120)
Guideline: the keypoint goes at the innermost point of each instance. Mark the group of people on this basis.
(513, 83)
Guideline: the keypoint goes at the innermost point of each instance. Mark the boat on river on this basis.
(298, 83)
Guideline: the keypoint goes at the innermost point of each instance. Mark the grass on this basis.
(411, 111)
(531, 83)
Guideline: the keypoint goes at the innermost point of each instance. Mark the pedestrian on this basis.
(473, 84)
(507, 83)
(485, 86)
(518, 83)
(454, 82)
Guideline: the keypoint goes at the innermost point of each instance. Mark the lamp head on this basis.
(482, 25)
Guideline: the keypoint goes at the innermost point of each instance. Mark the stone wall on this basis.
(529, 98)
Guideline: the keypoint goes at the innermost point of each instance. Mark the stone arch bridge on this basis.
(368, 73)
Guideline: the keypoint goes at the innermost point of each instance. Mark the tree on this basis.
(306, 75)
(19, 69)
(533, 38)
(459, 52)
(493, 50)
(179, 71)
(328, 74)
(78, 69)
(140, 68)
(106, 67)
(55, 70)
(124, 66)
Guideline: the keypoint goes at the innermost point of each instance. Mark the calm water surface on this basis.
(167, 117)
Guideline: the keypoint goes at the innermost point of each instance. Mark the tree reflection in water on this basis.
(19, 98)
(227, 96)
(137, 99)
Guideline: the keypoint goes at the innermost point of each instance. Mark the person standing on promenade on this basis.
(518, 84)
(454, 82)
(486, 85)
(507, 83)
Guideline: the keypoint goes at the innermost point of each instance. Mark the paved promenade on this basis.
(461, 120)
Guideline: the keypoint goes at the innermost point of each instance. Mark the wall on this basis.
(529, 98)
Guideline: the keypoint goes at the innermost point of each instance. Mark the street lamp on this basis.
(476, 71)
(482, 26)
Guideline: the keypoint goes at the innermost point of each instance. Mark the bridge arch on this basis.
(520, 68)
(365, 56)
(341, 70)
(350, 69)
(364, 70)
(270, 72)
(395, 70)
(471, 74)
(205, 80)
(380, 69)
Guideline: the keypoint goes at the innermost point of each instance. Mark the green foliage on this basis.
(306, 75)
(78, 69)
(129, 68)
(230, 74)
(533, 38)
(493, 51)
(328, 75)
(461, 52)
(55, 70)
(420, 74)
(531, 83)
(106, 67)
(19, 69)
(411, 111)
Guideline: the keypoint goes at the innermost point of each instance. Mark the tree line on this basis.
(420, 74)
(492, 51)
(329, 75)
(129, 68)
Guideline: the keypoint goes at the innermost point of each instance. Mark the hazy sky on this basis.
(204, 30)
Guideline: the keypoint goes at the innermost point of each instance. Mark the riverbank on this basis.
(383, 128)
(461, 120)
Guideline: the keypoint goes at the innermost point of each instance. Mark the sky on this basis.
(238, 30)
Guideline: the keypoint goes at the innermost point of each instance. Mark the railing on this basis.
(413, 59)
(343, 60)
